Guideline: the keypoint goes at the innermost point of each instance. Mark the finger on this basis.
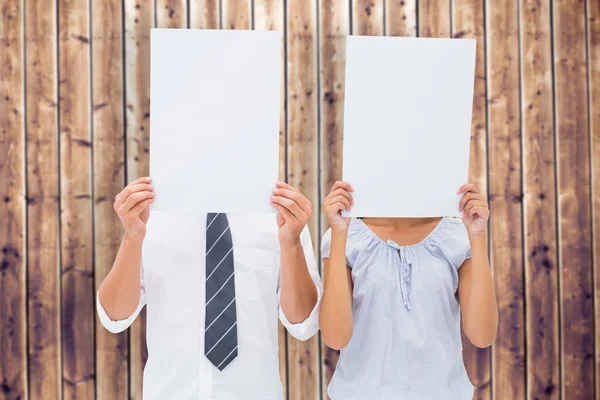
(469, 187)
(140, 207)
(295, 196)
(343, 185)
(130, 189)
(340, 199)
(292, 206)
(481, 211)
(464, 200)
(281, 184)
(302, 200)
(339, 192)
(468, 197)
(144, 179)
(285, 213)
(474, 203)
(338, 207)
(133, 200)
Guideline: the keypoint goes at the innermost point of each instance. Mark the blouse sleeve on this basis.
(352, 243)
(455, 242)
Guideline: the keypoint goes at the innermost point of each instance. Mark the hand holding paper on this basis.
(294, 211)
(132, 205)
(339, 199)
(475, 209)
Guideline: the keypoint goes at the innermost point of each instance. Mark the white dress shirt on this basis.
(172, 286)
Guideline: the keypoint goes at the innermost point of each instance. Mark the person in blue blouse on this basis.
(395, 291)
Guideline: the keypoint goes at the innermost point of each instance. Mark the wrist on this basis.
(478, 240)
(133, 238)
(290, 244)
(341, 231)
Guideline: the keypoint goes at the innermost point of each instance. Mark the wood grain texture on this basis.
(573, 147)
(334, 26)
(302, 173)
(367, 17)
(59, 114)
(112, 364)
(43, 276)
(13, 285)
(138, 19)
(593, 14)
(171, 13)
(539, 202)
(468, 23)
(237, 14)
(269, 15)
(401, 17)
(505, 197)
(434, 18)
(76, 200)
(204, 14)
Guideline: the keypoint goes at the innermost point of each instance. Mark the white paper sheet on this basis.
(407, 124)
(214, 119)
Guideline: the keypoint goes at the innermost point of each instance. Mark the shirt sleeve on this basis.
(326, 244)
(122, 324)
(310, 326)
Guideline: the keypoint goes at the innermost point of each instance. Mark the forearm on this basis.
(119, 292)
(482, 312)
(298, 291)
(335, 319)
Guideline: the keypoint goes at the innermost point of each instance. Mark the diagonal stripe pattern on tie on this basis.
(220, 334)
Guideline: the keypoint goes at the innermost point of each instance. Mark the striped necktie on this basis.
(220, 334)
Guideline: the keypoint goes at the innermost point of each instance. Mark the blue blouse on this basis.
(406, 340)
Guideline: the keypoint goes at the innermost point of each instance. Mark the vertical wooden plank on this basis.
(334, 26)
(468, 23)
(302, 117)
(76, 205)
(539, 213)
(593, 14)
(502, 43)
(237, 14)
(573, 148)
(401, 17)
(45, 379)
(13, 314)
(112, 375)
(367, 17)
(204, 14)
(269, 15)
(434, 18)
(171, 13)
(139, 19)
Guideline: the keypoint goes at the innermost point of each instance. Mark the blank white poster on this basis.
(407, 124)
(214, 119)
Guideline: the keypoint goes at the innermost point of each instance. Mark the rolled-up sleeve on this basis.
(122, 324)
(306, 329)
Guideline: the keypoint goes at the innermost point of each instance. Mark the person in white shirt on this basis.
(214, 286)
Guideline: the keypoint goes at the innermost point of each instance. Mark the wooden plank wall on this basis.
(74, 121)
